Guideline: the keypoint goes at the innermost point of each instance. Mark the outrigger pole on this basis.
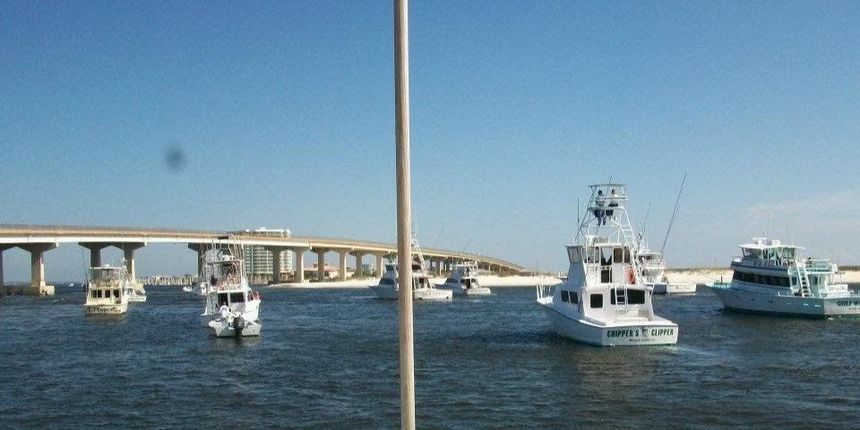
(674, 211)
(404, 213)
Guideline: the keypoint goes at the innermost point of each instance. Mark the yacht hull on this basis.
(681, 289)
(476, 291)
(811, 307)
(389, 293)
(225, 328)
(633, 334)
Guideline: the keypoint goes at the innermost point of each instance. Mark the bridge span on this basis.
(38, 239)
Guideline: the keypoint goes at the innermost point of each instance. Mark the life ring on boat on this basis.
(631, 277)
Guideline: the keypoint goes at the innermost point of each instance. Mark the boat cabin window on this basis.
(754, 253)
(618, 255)
(565, 297)
(222, 299)
(574, 298)
(574, 254)
(636, 297)
(788, 253)
(596, 300)
(237, 297)
(592, 255)
(116, 293)
(94, 292)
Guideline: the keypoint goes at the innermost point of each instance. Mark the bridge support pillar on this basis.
(37, 269)
(320, 264)
(358, 269)
(95, 252)
(2, 285)
(277, 263)
(380, 263)
(200, 248)
(128, 254)
(342, 256)
(299, 265)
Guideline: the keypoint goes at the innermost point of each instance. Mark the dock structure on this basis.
(39, 239)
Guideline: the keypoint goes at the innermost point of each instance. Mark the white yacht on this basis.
(603, 300)
(464, 280)
(136, 293)
(772, 278)
(422, 288)
(652, 269)
(232, 308)
(107, 290)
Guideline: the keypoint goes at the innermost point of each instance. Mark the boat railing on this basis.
(543, 289)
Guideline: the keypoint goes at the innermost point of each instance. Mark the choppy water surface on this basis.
(328, 359)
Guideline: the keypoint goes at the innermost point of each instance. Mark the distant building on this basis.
(258, 260)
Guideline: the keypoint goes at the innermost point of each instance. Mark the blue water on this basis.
(328, 359)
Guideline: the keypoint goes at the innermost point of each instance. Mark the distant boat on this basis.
(232, 308)
(603, 301)
(771, 278)
(107, 290)
(464, 281)
(652, 269)
(422, 288)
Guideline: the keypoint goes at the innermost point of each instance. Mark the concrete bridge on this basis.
(38, 239)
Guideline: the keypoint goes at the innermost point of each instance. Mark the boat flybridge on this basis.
(464, 280)
(422, 288)
(603, 301)
(107, 290)
(232, 308)
(771, 278)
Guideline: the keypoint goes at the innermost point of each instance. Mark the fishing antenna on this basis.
(674, 211)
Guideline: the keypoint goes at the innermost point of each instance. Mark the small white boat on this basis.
(107, 290)
(603, 300)
(422, 288)
(771, 278)
(652, 270)
(188, 288)
(464, 281)
(232, 308)
(136, 293)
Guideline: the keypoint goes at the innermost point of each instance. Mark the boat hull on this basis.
(225, 328)
(633, 334)
(810, 307)
(389, 293)
(681, 288)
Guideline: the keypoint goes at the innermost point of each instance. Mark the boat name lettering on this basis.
(848, 303)
(623, 333)
(662, 331)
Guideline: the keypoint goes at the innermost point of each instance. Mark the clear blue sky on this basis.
(283, 115)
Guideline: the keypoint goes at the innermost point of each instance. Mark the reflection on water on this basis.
(328, 359)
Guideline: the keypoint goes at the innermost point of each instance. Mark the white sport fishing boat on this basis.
(107, 290)
(136, 293)
(603, 301)
(422, 288)
(232, 308)
(652, 269)
(771, 278)
(464, 280)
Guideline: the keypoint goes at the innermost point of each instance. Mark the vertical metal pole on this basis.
(404, 213)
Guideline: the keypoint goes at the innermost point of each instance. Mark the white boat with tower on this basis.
(232, 308)
(772, 278)
(107, 290)
(603, 300)
(422, 287)
(463, 280)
